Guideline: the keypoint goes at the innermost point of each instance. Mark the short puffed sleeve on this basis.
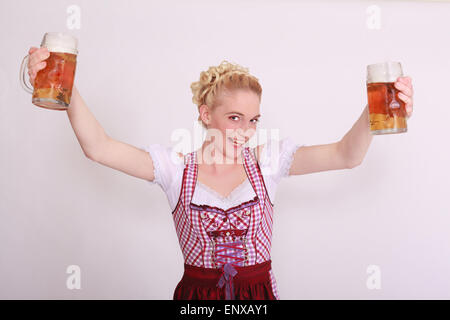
(166, 162)
(277, 156)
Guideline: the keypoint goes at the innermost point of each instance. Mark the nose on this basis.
(245, 133)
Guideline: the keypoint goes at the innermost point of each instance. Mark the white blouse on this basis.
(168, 171)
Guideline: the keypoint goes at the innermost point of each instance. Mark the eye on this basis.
(256, 120)
(234, 117)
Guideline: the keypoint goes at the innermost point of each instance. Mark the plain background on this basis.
(137, 60)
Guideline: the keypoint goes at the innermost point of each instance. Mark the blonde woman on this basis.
(221, 195)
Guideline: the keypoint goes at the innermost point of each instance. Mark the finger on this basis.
(35, 69)
(405, 79)
(409, 111)
(407, 100)
(30, 53)
(408, 79)
(40, 66)
(38, 56)
(403, 97)
(32, 74)
(32, 49)
(404, 88)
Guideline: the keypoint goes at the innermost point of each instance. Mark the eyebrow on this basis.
(241, 114)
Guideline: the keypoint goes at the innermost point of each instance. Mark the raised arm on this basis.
(322, 157)
(346, 153)
(94, 142)
(350, 151)
(101, 148)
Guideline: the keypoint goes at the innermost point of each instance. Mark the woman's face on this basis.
(233, 121)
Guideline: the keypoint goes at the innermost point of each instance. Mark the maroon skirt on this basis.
(239, 283)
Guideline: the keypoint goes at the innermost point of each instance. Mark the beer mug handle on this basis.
(25, 85)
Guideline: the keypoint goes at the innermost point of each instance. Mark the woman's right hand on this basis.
(36, 61)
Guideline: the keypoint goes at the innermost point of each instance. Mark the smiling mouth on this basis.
(237, 142)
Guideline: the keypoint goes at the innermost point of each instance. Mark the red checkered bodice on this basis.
(210, 237)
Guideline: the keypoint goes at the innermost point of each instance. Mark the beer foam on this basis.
(60, 42)
(387, 71)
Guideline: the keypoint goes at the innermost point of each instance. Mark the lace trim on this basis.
(217, 195)
(287, 156)
(156, 165)
(206, 207)
(230, 195)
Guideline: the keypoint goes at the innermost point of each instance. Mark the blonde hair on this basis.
(226, 76)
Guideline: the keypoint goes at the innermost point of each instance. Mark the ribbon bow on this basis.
(226, 279)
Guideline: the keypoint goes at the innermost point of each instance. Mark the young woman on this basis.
(221, 195)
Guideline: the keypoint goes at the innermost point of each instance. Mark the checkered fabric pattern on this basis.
(201, 229)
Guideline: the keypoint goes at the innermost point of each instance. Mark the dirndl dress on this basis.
(226, 252)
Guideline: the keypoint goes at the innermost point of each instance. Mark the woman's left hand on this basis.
(404, 84)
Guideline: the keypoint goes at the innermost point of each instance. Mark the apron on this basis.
(226, 252)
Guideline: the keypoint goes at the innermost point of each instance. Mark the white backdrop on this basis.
(136, 62)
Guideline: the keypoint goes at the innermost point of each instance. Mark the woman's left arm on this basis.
(350, 151)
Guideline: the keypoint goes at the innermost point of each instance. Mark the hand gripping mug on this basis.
(387, 111)
(53, 84)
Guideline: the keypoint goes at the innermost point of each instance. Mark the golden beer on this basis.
(53, 84)
(387, 112)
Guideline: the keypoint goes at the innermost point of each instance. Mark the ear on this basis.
(204, 113)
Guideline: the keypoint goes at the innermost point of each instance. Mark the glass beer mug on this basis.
(387, 111)
(53, 84)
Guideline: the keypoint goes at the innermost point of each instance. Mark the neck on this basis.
(214, 155)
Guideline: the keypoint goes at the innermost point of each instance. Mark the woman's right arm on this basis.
(94, 141)
(103, 149)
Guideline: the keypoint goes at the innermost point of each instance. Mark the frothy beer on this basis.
(387, 113)
(53, 84)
